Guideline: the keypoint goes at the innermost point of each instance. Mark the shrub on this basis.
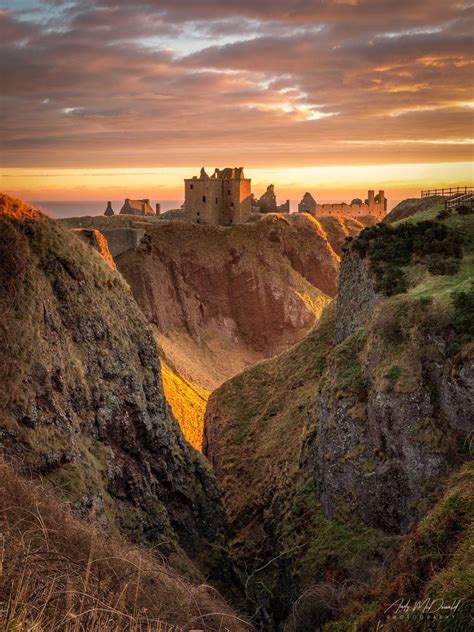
(393, 374)
(438, 264)
(463, 320)
(465, 209)
(443, 214)
(389, 249)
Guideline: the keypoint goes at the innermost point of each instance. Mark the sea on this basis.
(58, 209)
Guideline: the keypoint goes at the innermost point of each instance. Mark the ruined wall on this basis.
(375, 205)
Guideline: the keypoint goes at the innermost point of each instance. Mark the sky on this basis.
(112, 98)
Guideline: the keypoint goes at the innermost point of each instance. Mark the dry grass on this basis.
(188, 403)
(60, 574)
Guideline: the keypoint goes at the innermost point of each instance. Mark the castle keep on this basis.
(221, 199)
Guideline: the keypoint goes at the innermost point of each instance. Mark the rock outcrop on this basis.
(82, 400)
(96, 240)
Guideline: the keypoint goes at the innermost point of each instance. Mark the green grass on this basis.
(441, 287)
(393, 375)
(428, 214)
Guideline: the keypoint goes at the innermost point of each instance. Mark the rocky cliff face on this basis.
(337, 228)
(258, 285)
(81, 395)
(394, 409)
(330, 452)
(221, 299)
(96, 240)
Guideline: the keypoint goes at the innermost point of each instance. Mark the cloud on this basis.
(115, 83)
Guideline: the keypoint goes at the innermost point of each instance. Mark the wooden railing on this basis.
(463, 199)
(448, 191)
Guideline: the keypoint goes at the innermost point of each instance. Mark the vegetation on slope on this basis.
(62, 574)
(312, 409)
(428, 585)
(390, 249)
(188, 402)
(283, 543)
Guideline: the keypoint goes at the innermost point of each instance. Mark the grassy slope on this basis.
(61, 574)
(188, 402)
(264, 411)
(441, 287)
(271, 502)
(435, 562)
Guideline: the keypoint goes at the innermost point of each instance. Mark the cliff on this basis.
(82, 399)
(221, 299)
(332, 452)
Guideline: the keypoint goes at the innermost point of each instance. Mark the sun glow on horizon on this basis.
(167, 183)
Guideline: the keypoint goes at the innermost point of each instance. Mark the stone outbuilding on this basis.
(374, 205)
(137, 207)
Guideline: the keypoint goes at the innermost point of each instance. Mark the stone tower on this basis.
(221, 199)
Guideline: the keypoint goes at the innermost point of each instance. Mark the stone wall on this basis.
(122, 239)
(375, 205)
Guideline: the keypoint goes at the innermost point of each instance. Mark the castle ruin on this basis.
(267, 203)
(374, 205)
(221, 199)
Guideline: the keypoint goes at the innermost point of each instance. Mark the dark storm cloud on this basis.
(184, 82)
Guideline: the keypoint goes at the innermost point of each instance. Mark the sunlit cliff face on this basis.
(109, 84)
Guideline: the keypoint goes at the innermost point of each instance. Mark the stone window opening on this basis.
(203, 198)
(217, 201)
(232, 205)
(192, 186)
(228, 192)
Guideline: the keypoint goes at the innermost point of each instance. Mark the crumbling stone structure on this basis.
(375, 205)
(109, 210)
(307, 204)
(137, 207)
(268, 203)
(221, 199)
